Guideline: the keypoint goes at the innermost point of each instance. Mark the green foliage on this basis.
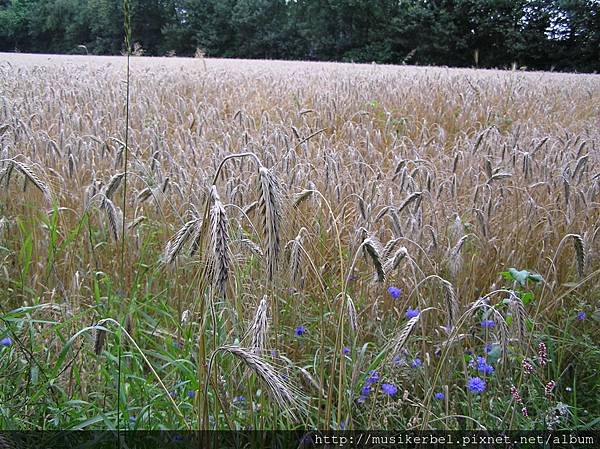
(521, 276)
(537, 34)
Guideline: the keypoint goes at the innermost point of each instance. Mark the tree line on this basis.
(536, 34)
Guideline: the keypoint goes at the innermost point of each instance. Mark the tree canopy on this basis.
(537, 34)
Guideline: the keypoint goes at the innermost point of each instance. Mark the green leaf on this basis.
(89, 422)
(535, 277)
(527, 297)
(519, 276)
(509, 320)
(522, 276)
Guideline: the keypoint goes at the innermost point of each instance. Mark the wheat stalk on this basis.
(219, 243)
(113, 215)
(283, 393)
(393, 262)
(373, 248)
(270, 203)
(113, 185)
(29, 175)
(454, 257)
(398, 342)
(259, 330)
(177, 243)
(410, 199)
(296, 250)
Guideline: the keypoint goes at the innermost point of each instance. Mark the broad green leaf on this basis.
(519, 276)
(535, 277)
(522, 276)
(527, 297)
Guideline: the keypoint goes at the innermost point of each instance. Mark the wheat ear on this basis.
(400, 340)
(270, 203)
(285, 395)
(30, 175)
(519, 318)
(259, 330)
(219, 243)
(114, 216)
(113, 185)
(175, 246)
(373, 248)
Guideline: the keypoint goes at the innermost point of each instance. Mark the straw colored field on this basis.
(391, 247)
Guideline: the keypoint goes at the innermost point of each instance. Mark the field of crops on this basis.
(261, 245)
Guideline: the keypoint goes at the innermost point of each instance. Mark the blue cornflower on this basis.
(488, 348)
(476, 385)
(389, 389)
(191, 394)
(239, 399)
(372, 377)
(488, 323)
(411, 313)
(581, 316)
(482, 365)
(394, 292)
(398, 360)
(485, 368)
(416, 363)
(365, 390)
(439, 396)
(6, 341)
(361, 399)
(346, 350)
(177, 344)
(300, 331)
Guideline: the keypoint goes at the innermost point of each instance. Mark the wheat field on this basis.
(264, 244)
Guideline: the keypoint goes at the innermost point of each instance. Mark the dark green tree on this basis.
(538, 34)
(260, 28)
(15, 16)
(211, 25)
